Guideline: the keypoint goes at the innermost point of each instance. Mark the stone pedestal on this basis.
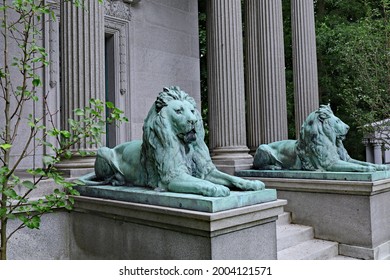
(114, 229)
(346, 207)
(226, 86)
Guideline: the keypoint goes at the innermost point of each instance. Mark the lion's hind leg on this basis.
(265, 159)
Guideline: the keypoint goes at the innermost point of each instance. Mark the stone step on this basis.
(284, 219)
(289, 235)
(343, 258)
(314, 249)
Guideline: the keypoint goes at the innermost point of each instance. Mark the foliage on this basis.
(20, 90)
(354, 63)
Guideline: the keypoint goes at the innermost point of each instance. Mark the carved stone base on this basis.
(351, 208)
(231, 160)
(109, 229)
(76, 166)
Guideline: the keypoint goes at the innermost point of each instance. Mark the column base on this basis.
(232, 159)
(76, 167)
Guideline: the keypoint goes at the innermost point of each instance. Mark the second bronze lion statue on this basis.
(172, 155)
(319, 147)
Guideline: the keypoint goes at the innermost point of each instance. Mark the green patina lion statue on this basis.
(319, 147)
(172, 155)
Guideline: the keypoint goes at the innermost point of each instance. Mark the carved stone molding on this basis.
(118, 28)
(119, 8)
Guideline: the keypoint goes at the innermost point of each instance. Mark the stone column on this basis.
(369, 153)
(226, 86)
(265, 73)
(377, 144)
(304, 60)
(82, 66)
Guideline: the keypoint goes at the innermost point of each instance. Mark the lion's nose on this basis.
(192, 121)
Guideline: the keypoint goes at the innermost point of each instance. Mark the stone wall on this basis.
(164, 51)
(156, 45)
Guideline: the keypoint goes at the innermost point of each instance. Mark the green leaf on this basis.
(37, 171)
(10, 193)
(6, 146)
(67, 154)
(79, 112)
(66, 134)
(29, 185)
(83, 153)
(110, 105)
(34, 223)
(36, 82)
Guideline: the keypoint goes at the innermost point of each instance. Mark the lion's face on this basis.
(333, 126)
(320, 138)
(182, 117)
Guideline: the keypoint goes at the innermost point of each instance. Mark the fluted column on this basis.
(252, 74)
(369, 152)
(82, 64)
(226, 85)
(304, 60)
(266, 73)
(377, 144)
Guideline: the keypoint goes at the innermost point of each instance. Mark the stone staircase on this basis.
(297, 242)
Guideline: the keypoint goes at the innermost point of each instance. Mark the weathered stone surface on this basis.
(183, 201)
(141, 231)
(351, 212)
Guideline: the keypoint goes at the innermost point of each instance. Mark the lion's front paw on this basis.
(255, 185)
(250, 185)
(382, 167)
(217, 191)
(369, 169)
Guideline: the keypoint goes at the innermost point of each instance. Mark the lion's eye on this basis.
(193, 111)
(178, 111)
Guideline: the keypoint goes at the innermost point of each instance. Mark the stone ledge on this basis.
(352, 213)
(316, 175)
(189, 221)
(325, 186)
(380, 252)
(236, 199)
(108, 229)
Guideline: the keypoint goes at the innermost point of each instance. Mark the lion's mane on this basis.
(163, 155)
(318, 146)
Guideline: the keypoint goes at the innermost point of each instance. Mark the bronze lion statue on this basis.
(319, 147)
(172, 155)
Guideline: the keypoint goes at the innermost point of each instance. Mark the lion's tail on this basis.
(265, 158)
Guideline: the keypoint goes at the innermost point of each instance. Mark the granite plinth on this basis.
(236, 199)
(316, 175)
(112, 229)
(351, 208)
